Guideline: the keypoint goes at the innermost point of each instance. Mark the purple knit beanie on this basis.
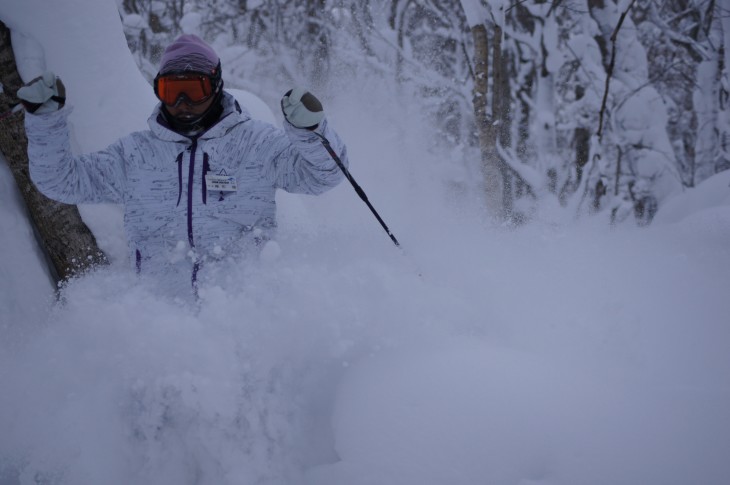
(189, 53)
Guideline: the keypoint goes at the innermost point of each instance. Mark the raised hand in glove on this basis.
(44, 94)
(302, 109)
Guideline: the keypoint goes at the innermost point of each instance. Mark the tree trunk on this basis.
(397, 22)
(69, 245)
(491, 166)
(722, 162)
(501, 118)
(318, 36)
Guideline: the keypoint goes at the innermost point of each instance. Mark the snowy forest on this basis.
(589, 106)
(557, 174)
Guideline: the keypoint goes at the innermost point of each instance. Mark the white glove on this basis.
(44, 94)
(302, 109)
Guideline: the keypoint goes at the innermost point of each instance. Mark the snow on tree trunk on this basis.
(69, 245)
(543, 127)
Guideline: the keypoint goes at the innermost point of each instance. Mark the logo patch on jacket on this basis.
(221, 182)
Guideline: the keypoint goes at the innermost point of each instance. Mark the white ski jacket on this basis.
(174, 222)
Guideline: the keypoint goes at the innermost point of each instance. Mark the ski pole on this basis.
(11, 111)
(357, 187)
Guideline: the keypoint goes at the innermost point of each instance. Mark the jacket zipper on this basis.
(179, 177)
(206, 169)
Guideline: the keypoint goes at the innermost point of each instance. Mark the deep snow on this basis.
(551, 354)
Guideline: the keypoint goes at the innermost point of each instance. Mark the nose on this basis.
(182, 99)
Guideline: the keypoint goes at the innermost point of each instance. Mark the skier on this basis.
(198, 186)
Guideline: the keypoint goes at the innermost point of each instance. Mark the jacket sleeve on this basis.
(301, 164)
(91, 178)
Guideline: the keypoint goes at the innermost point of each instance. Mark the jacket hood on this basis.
(233, 114)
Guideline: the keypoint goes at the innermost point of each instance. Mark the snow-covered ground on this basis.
(553, 354)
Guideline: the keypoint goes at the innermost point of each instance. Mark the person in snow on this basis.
(198, 186)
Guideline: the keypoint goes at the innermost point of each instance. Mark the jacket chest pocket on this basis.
(223, 203)
(222, 199)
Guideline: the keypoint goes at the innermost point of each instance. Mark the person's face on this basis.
(187, 112)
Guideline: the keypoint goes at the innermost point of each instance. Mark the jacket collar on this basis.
(232, 115)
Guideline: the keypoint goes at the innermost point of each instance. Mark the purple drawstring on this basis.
(179, 177)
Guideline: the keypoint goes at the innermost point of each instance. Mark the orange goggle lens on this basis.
(197, 88)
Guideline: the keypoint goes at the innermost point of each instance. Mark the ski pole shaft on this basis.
(11, 111)
(357, 187)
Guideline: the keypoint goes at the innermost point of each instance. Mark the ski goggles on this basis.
(194, 87)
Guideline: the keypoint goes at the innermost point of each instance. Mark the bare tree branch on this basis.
(609, 71)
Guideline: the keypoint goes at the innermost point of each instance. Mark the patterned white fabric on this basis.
(174, 225)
